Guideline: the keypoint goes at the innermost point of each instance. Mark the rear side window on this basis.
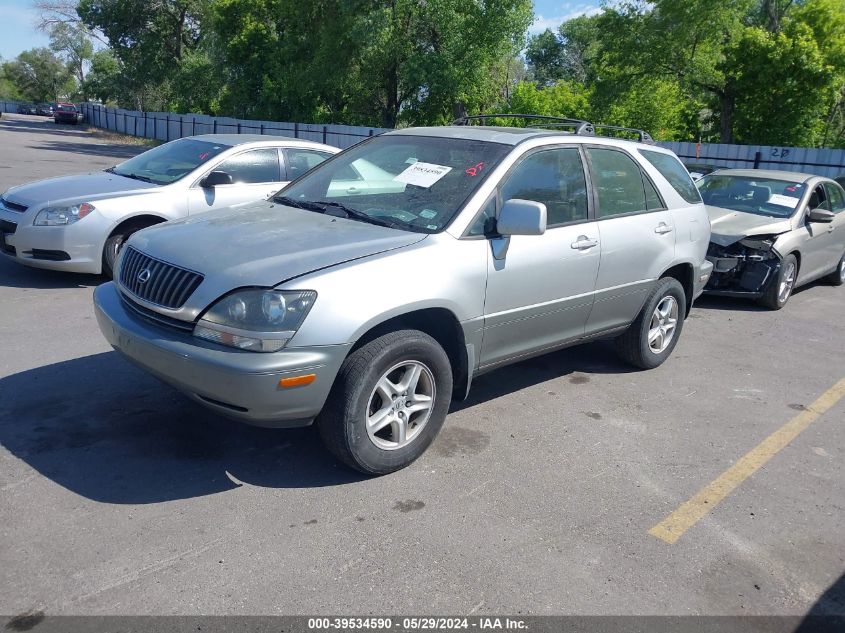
(255, 166)
(299, 161)
(673, 171)
(618, 183)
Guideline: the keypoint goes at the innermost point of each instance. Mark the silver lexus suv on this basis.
(369, 292)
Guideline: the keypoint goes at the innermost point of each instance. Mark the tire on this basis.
(356, 399)
(112, 249)
(780, 290)
(634, 345)
(837, 277)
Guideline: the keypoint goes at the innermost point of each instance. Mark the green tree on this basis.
(39, 75)
(149, 39)
(73, 44)
(545, 57)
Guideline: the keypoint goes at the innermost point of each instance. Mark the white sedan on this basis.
(79, 223)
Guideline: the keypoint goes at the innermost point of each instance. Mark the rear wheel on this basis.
(650, 339)
(780, 290)
(837, 277)
(388, 402)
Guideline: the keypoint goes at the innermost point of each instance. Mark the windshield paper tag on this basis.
(783, 201)
(422, 174)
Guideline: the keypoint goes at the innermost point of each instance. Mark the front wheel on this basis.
(388, 402)
(780, 290)
(114, 244)
(650, 339)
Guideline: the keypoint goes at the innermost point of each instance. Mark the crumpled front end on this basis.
(743, 268)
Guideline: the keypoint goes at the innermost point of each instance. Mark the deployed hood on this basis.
(263, 244)
(83, 188)
(728, 226)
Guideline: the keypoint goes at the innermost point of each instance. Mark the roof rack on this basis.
(581, 127)
(642, 135)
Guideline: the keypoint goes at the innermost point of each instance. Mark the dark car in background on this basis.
(44, 109)
(66, 113)
(26, 108)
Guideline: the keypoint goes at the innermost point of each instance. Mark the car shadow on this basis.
(92, 149)
(14, 275)
(828, 612)
(46, 125)
(578, 361)
(710, 302)
(110, 432)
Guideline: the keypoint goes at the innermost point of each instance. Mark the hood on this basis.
(728, 226)
(264, 244)
(91, 186)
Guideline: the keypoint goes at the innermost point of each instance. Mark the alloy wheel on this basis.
(400, 405)
(664, 321)
(786, 283)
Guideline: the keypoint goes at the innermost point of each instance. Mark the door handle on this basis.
(663, 229)
(583, 243)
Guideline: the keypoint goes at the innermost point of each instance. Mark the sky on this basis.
(18, 18)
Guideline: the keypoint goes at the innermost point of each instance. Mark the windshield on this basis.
(773, 198)
(415, 183)
(169, 162)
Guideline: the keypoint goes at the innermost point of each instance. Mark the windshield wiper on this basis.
(111, 170)
(322, 206)
(358, 215)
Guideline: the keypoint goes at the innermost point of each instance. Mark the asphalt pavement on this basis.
(541, 495)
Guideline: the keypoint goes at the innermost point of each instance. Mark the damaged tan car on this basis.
(773, 231)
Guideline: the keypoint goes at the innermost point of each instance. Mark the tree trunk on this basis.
(727, 104)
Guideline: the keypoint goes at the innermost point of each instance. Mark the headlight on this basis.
(61, 216)
(256, 320)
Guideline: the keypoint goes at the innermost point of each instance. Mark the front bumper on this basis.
(238, 384)
(76, 248)
(747, 280)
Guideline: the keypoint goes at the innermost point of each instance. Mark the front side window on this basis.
(169, 162)
(673, 171)
(760, 196)
(416, 183)
(252, 167)
(836, 197)
(618, 182)
(554, 177)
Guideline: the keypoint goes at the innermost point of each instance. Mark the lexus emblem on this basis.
(144, 276)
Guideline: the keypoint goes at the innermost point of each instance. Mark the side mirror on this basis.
(522, 217)
(822, 216)
(215, 179)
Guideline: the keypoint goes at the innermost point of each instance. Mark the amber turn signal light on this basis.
(297, 381)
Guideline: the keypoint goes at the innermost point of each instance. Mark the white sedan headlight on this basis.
(62, 216)
(256, 320)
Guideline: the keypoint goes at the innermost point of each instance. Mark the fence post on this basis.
(155, 127)
(194, 127)
(145, 125)
(262, 128)
(239, 127)
(134, 125)
(325, 133)
(167, 129)
(215, 125)
(181, 127)
(296, 130)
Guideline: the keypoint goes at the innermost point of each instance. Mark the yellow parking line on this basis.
(673, 527)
